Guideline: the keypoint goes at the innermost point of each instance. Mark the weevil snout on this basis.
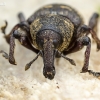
(49, 72)
(48, 41)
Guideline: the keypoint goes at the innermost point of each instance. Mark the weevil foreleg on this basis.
(22, 37)
(10, 57)
(87, 42)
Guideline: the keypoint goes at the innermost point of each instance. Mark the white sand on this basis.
(69, 83)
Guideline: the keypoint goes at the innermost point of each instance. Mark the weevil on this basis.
(53, 31)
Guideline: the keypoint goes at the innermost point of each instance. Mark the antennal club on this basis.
(70, 60)
(29, 64)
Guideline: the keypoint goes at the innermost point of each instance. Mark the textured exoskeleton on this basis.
(53, 31)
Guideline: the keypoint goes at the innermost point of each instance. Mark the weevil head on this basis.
(48, 41)
(44, 36)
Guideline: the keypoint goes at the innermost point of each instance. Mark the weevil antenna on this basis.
(29, 64)
(70, 60)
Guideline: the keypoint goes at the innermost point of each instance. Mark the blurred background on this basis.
(69, 83)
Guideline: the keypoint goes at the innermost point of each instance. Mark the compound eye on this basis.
(41, 42)
(56, 43)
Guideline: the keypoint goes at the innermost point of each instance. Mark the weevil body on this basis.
(53, 31)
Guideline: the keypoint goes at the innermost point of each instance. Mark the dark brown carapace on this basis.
(53, 31)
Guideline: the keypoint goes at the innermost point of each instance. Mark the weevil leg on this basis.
(23, 35)
(79, 44)
(10, 57)
(85, 30)
(21, 17)
(93, 22)
(11, 52)
(85, 41)
(23, 38)
(3, 28)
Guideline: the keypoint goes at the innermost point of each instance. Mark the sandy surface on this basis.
(69, 83)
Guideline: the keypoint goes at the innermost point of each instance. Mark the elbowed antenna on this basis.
(70, 60)
(29, 64)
